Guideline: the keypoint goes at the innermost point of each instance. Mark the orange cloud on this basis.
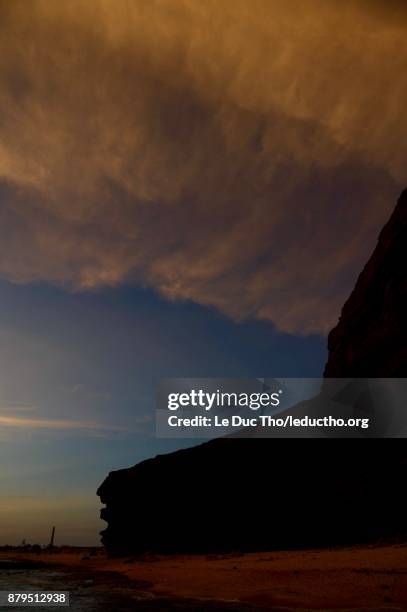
(241, 155)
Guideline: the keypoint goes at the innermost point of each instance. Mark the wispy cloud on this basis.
(18, 407)
(58, 424)
(239, 154)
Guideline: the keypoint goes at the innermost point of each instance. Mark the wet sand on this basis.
(355, 578)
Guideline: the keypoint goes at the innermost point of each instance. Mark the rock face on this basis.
(254, 494)
(371, 336)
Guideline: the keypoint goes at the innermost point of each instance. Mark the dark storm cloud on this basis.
(394, 11)
(241, 155)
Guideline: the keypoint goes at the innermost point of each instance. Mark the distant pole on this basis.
(51, 544)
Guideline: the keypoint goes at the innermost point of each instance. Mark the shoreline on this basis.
(353, 578)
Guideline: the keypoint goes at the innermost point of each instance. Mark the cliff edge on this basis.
(370, 339)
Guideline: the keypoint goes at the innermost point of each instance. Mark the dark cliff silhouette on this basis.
(258, 494)
(371, 336)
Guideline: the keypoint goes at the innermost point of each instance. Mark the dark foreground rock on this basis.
(257, 494)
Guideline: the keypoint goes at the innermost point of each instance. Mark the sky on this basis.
(78, 378)
(186, 189)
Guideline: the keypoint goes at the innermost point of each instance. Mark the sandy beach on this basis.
(355, 578)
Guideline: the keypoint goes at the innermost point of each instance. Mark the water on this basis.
(101, 591)
(81, 595)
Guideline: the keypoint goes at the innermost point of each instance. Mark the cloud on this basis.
(57, 424)
(241, 155)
